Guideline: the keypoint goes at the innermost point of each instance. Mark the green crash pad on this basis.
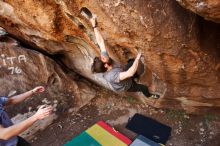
(83, 140)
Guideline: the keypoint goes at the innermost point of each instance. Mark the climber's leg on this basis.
(139, 88)
(142, 88)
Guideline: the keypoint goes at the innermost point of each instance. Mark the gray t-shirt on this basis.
(5, 122)
(112, 78)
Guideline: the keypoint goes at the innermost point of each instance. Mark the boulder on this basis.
(209, 9)
(21, 69)
(181, 55)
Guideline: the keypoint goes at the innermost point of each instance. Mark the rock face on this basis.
(181, 50)
(22, 69)
(209, 9)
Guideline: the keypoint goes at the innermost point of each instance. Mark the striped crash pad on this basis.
(99, 134)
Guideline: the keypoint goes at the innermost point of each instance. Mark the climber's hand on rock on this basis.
(93, 21)
(38, 89)
(139, 54)
(43, 112)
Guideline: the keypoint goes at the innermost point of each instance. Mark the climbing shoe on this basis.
(154, 96)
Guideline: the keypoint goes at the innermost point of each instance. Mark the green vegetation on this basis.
(131, 99)
(175, 114)
(178, 115)
(209, 118)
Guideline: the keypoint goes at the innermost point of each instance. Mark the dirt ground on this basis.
(187, 130)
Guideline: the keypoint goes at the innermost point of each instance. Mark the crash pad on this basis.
(143, 141)
(100, 134)
(149, 128)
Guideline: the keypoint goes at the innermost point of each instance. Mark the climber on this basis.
(9, 132)
(92, 18)
(120, 78)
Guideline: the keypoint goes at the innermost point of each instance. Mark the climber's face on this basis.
(104, 59)
(107, 66)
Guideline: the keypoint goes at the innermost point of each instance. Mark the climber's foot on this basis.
(154, 96)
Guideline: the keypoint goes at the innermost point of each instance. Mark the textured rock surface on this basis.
(209, 9)
(181, 54)
(22, 69)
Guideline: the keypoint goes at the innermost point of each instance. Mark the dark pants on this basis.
(22, 142)
(137, 87)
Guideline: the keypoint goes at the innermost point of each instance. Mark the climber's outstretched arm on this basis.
(14, 130)
(100, 40)
(21, 97)
(98, 35)
(132, 70)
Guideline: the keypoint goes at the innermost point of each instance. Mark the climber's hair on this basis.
(110, 61)
(98, 66)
